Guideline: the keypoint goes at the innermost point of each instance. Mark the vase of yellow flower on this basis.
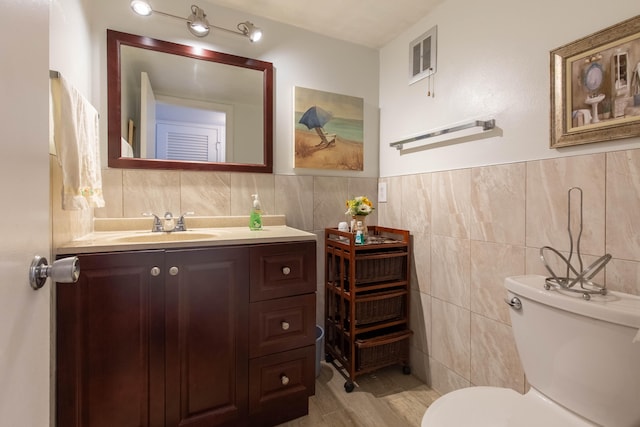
(359, 207)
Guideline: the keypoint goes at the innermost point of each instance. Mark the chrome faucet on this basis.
(157, 225)
(180, 225)
(168, 223)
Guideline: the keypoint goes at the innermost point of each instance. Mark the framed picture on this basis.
(595, 87)
(329, 130)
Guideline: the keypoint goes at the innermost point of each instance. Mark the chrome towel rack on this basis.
(486, 125)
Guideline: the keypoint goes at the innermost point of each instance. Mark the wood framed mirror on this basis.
(173, 106)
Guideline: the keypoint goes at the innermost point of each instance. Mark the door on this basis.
(24, 170)
(207, 300)
(110, 342)
(147, 118)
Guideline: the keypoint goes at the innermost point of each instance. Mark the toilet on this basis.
(581, 359)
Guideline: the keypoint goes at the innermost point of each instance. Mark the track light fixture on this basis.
(197, 22)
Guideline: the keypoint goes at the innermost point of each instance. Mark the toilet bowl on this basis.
(580, 358)
(498, 407)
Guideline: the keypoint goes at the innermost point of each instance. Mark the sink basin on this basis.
(151, 237)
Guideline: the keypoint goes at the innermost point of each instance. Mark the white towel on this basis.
(126, 150)
(77, 141)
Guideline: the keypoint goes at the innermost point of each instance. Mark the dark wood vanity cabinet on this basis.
(172, 338)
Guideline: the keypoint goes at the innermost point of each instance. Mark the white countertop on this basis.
(118, 235)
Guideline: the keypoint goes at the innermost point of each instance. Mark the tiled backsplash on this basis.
(473, 227)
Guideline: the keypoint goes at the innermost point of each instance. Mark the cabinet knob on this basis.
(174, 271)
(155, 271)
(285, 325)
(286, 270)
(284, 379)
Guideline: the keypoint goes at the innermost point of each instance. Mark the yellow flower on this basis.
(360, 205)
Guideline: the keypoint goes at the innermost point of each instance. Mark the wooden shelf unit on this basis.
(367, 301)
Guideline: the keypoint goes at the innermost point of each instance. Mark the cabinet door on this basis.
(109, 343)
(207, 300)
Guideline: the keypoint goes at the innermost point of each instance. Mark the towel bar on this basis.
(486, 125)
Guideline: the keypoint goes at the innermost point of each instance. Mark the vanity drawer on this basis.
(281, 324)
(282, 382)
(282, 270)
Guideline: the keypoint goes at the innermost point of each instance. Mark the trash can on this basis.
(319, 346)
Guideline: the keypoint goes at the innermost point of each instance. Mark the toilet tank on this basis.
(583, 355)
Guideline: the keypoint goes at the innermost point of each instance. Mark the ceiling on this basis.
(371, 23)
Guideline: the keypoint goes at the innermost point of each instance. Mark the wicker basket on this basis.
(379, 269)
(379, 310)
(382, 351)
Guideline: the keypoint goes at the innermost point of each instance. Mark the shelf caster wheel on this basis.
(349, 386)
(328, 358)
(406, 369)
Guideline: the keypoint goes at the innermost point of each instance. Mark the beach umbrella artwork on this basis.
(315, 118)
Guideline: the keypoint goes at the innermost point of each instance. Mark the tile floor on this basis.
(384, 398)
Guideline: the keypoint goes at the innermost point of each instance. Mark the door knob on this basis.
(65, 270)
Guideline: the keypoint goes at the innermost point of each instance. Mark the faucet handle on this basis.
(181, 226)
(157, 225)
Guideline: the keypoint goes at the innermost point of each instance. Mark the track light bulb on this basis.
(141, 7)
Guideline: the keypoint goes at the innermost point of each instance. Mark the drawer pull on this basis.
(286, 270)
(284, 379)
(174, 271)
(155, 271)
(285, 325)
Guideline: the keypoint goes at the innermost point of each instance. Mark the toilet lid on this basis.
(498, 407)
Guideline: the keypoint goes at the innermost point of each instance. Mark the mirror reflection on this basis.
(187, 108)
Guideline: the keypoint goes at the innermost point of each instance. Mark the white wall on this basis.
(493, 61)
(300, 58)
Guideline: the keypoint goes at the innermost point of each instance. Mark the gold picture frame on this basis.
(591, 77)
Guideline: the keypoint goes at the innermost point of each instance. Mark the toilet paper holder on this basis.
(65, 270)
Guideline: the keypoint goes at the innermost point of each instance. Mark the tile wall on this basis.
(472, 228)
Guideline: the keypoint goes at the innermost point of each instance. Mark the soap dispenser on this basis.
(255, 218)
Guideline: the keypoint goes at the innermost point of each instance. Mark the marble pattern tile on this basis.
(150, 191)
(451, 270)
(498, 203)
(205, 193)
(494, 356)
(491, 263)
(451, 332)
(444, 380)
(390, 213)
(329, 198)
(623, 276)
(451, 203)
(420, 365)
(294, 198)
(112, 193)
(623, 204)
(416, 203)
(243, 185)
(420, 320)
(548, 182)
(421, 262)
